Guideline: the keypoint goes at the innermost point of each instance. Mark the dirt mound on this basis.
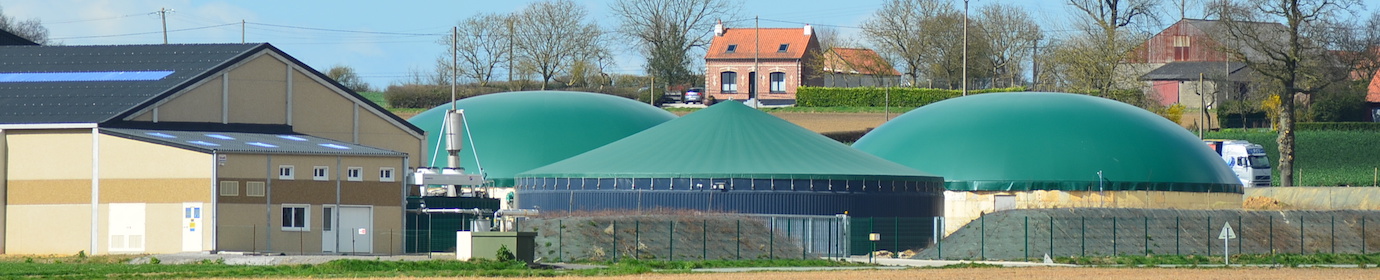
(1263, 203)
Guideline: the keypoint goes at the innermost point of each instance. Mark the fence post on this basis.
(1334, 234)
(771, 238)
(1242, 228)
(1026, 237)
(672, 242)
(1114, 252)
(1272, 234)
(1363, 234)
(939, 242)
(1147, 236)
(1209, 240)
(614, 226)
(560, 239)
(738, 246)
(895, 236)
(704, 239)
(1051, 236)
(1301, 237)
(982, 247)
(1083, 247)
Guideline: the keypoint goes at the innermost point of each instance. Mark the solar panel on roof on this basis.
(83, 76)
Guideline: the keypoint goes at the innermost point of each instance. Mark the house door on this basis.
(752, 85)
(192, 228)
(351, 232)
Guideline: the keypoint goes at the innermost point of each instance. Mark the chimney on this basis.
(808, 30)
(719, 28)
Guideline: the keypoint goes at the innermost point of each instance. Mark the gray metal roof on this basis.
(7, 38)
(248, 143)
(1190, 70)
(96, 101)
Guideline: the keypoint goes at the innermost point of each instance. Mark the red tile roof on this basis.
(858, 61)
(1373, 92)
(769, 40)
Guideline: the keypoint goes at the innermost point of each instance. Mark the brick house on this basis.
(1190, 51)
(733, 59)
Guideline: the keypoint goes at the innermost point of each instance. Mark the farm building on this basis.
(731, 158)
(193, 148)
(513, 132)
(1001, 151)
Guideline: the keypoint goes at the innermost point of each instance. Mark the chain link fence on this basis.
(689, 237)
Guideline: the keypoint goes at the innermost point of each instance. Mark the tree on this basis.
(667, 30)
(31, 29)
(480, 48)
(1105, 43)
(346, 76)
(900, 31)
(1011, 34)
(1293, 55)
(553, 34)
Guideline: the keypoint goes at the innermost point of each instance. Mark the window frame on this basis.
(295, 225)
(354, 174)
(783, 48)
(777, 86)
(290, 170)
(391, 172)
(732, 48)
(321, 173)
(255, 189)
(728, 82)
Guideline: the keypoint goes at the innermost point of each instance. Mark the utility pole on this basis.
(511, 56)
(454, 62)
(965, 48)
(756, 52)
(163, 14)
(241, 31)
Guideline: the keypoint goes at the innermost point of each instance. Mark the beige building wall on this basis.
(258, 91)
(961, 207)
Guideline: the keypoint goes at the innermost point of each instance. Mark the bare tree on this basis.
(1107, 26)
(553, 34)
(346, 76)
(1011, 34)
(898, 31)
(667, 30)
(31, 29)
(480, 49)
(1293, 55)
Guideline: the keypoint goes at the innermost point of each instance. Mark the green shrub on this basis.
(416, 96)
(504, 255)
(1343, 126)
(875, 97)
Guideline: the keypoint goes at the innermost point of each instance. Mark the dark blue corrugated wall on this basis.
(799, 197)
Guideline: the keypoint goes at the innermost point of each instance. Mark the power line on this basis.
(143, 33)
(96, 19)
(348, 31)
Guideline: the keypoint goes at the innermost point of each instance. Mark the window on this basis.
(229, 188)
(732, 49)
(386, 174)
(354, 174)
(783, 48)
(295, 217)
(254, 189)
(1181, 41)
(730, 82)
(320, 173)
(326, 218)
(778, 82)
(286, 172)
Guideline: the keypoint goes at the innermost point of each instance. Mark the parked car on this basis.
(694, 95)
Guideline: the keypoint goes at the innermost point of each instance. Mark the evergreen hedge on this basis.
(807, 96)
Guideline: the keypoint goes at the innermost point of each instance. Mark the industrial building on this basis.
(1001, 151)
(193, 148)
(731, 158)
(508, 133)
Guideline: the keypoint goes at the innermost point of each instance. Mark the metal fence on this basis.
(1255, 232)
(682, 237)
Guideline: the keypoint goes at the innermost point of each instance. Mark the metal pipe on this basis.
(472, 211)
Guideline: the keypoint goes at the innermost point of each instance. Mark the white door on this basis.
(126, 232)
(192, 228)
(351, 232)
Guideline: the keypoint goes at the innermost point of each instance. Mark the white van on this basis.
(1246, 159)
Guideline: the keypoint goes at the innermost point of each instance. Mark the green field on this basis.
(1322, 158)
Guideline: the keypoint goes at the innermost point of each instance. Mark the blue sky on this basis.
(386, 40)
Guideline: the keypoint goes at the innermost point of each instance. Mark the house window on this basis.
(730, 82)
(1181, 41)
(354, 174)
(386, 174)
(254, 189)
(296, 217)
(732, 49)
(783, 48)
(778, 82)
(286, 172)
(229, 188)
(320, 173)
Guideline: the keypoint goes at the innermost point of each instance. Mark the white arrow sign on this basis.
(1227, 233)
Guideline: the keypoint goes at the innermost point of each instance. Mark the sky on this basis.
(386, 41)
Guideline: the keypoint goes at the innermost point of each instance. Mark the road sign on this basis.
(1227, 233)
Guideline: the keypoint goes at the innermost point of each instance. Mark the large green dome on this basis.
(1049, 141)
(518, 131)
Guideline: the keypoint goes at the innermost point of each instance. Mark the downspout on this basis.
(268, 203)
(95, 187)
(215, 207)
(402, 187)
(336, 216)
(4, 181)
